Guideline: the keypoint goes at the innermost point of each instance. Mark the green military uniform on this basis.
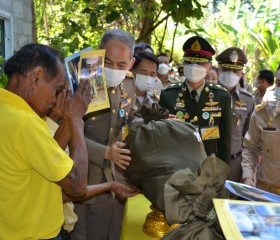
(205, 105)
(211, 115)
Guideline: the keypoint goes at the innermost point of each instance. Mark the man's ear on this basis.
(208, 67)
(131, 63)
(37, 75)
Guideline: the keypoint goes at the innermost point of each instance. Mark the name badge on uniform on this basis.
(125, 102)
(269, 129)
(125, 131)
(240, 108)
(209, 133)
(216, 114)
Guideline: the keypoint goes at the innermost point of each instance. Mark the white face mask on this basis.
(114, 77)
(144, 83)
(172, 79)
(163, 69)
(229, 79)
(257, 84)
(194, 72)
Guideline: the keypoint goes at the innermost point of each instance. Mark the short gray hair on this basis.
(122, 36)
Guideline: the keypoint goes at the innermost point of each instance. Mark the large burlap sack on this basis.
(189, 197)
(159, 147)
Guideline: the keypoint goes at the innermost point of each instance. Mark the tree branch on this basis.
(157, 16)
(152, 28)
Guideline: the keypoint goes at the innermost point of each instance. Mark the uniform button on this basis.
(93, 118)
(114, 111)
(111, 129)
(113, 92)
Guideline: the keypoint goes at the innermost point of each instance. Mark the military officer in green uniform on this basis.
(231, 62)
(205, 105)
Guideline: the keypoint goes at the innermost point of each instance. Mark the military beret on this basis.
(197, 50)
(232, 58)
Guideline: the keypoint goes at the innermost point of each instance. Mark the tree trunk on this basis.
(148, 24)
(34, 28)
(163, 36)
(174, 34)
(46, 25)
(145, 32)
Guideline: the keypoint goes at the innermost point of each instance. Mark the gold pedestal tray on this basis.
(155, 224)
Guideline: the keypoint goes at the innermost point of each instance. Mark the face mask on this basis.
(172, 79)
(256, 84)
(228, 79)
(114, 77)
(194, 72)
(163, 69)
(277, 93)
(144, 83)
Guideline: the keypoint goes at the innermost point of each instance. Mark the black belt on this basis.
(233, 156)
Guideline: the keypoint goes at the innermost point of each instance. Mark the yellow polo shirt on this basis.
(30, 161)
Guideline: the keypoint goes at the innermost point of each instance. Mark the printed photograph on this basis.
(91, 68)
(71, 65)
(251, 193)
(256, 221)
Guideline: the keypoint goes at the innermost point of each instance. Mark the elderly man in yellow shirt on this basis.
(34, 169)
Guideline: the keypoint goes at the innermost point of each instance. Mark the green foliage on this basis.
(73, 24)
(3, 80)
(3, 77)
(253, 26)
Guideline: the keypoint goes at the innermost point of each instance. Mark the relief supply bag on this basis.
(160, 147)
(188, 199)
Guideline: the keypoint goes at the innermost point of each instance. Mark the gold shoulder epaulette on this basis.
(244, 91)
(129, 75)
(261, 106)
(218, 86)
(174, 85)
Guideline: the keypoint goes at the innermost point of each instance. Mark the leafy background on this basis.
(252, 25)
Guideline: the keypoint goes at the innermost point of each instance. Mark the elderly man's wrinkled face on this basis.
(117, 62)
(117, 55)
(45, 91)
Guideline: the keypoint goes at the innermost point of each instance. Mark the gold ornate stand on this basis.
(155, 224)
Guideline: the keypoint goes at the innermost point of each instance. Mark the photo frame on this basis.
(91, 68)
(71, 66)
(251, 193)
(248, 220)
